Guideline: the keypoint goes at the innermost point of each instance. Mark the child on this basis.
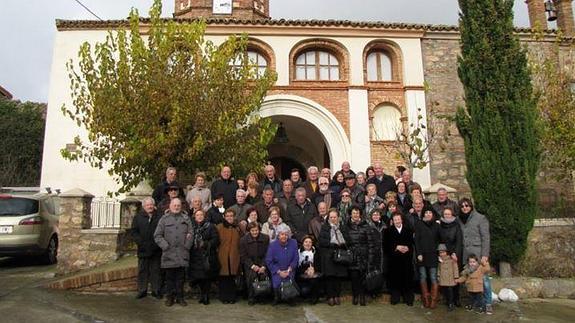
(447, 273)
(472, 276)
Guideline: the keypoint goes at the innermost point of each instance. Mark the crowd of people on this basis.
(295, 239)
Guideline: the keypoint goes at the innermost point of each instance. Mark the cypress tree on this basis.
(498, 124)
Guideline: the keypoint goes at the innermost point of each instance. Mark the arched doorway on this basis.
(315, 135)
(284, 166)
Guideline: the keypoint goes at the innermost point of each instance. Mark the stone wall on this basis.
(550, 251)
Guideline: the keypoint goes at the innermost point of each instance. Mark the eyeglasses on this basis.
(465, 205)
(323, 183)
(345, 195)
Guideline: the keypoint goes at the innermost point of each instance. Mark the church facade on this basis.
(344, 89)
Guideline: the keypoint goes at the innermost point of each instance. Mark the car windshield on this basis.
(17, 206)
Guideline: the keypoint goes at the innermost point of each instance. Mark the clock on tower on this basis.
(222, 7)
(238, 9)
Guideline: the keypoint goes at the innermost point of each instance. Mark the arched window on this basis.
(317, 65)
(386, 123)
(259, 62)
(379, 66)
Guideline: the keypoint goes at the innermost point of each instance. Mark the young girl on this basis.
(307, 276)
(447, 272)
(472, 276)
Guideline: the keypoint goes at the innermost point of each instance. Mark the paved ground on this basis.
(22, 299)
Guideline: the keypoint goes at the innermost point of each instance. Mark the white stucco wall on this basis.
(60, 130)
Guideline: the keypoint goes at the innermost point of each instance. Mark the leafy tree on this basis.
(552, 75)
(167, 98)
(498, 124)
(22, 132)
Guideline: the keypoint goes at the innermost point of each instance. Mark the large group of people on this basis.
(295, 239)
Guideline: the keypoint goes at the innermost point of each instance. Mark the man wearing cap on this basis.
(172, 191)
(357, 192)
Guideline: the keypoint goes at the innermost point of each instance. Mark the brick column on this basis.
(75, 217)
(565, 17)
(537, 18)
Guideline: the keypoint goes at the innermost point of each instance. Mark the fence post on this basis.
(130, 206)
(75, 216)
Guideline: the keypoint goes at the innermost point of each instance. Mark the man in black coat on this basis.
(161, 189)
(149, 254)
(271, 180)
(383, 182)
(299, 214)
(226, 186)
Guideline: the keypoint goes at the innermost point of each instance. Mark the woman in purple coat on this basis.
(282, 259)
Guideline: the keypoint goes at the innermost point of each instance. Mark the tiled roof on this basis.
(5, 93)
(96, 24)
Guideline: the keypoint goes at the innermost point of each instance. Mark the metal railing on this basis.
(105, 213)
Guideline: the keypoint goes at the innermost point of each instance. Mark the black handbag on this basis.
(343, 256)
(240, 283)
(288, 290)
(262, 287)
(373, 280)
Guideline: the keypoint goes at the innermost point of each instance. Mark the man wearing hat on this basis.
(171, 192)
(357, 191)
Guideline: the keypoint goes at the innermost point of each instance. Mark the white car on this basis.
(29, 225)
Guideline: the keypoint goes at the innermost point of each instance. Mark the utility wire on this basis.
(88, 9)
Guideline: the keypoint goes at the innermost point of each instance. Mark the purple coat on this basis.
(281, 258)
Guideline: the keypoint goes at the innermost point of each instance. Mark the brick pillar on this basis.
(565, 17)
(75, 217)
(537, 18)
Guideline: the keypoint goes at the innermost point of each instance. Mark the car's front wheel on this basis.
(51, 255)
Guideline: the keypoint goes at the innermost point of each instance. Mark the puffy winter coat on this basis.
(327, 267)
(363, 244)
(174, 235)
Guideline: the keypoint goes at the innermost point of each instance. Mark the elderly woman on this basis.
(253, 248)
(399, 248)
(229, 256)
(332, 238)
(361, 179)
(451, 235)
(377, 222)
(282, 259)
(426, 243)
(274, 221)
(204, 264)
(200, 189)
(361, 241)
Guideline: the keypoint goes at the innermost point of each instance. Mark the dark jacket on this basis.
(241, 211)
(253, 251)
(378, 232)
(143, 228)
(357, 195)
(452, 236)
(309, 189)
(426, 242)
(362, 242)
(275, 185)
(164, 205)
(298, 218)
(327, 267)
(404, 205)
(174, 235)
(315, 226)
(214, 215)
(400, 273)
(438, 207)
(326, 197)
(386, 184)
(226, 187)
(263, 211)
(204, 253)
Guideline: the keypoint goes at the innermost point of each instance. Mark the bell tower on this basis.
(238, 9)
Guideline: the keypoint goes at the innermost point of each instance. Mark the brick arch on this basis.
(264, 49)
(329, 45)
(392, 50)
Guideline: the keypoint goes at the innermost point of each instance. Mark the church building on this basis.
(344, 88)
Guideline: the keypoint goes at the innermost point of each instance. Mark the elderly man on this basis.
(174, 235)
(286, 195)
(299, 214)
(271, 180)
(226, 186)
(265, 204)
(346, 169)
(149, 254)
(316, 223)
(324, 194)
(241, 206)
(406, 178)
(170, 180)
(444, 202)
(311, 185)
(384, 183)
(295, 178)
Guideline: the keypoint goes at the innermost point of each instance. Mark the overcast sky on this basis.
(28, 28)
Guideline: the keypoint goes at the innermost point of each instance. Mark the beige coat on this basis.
(447, 271)
(474, 281)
